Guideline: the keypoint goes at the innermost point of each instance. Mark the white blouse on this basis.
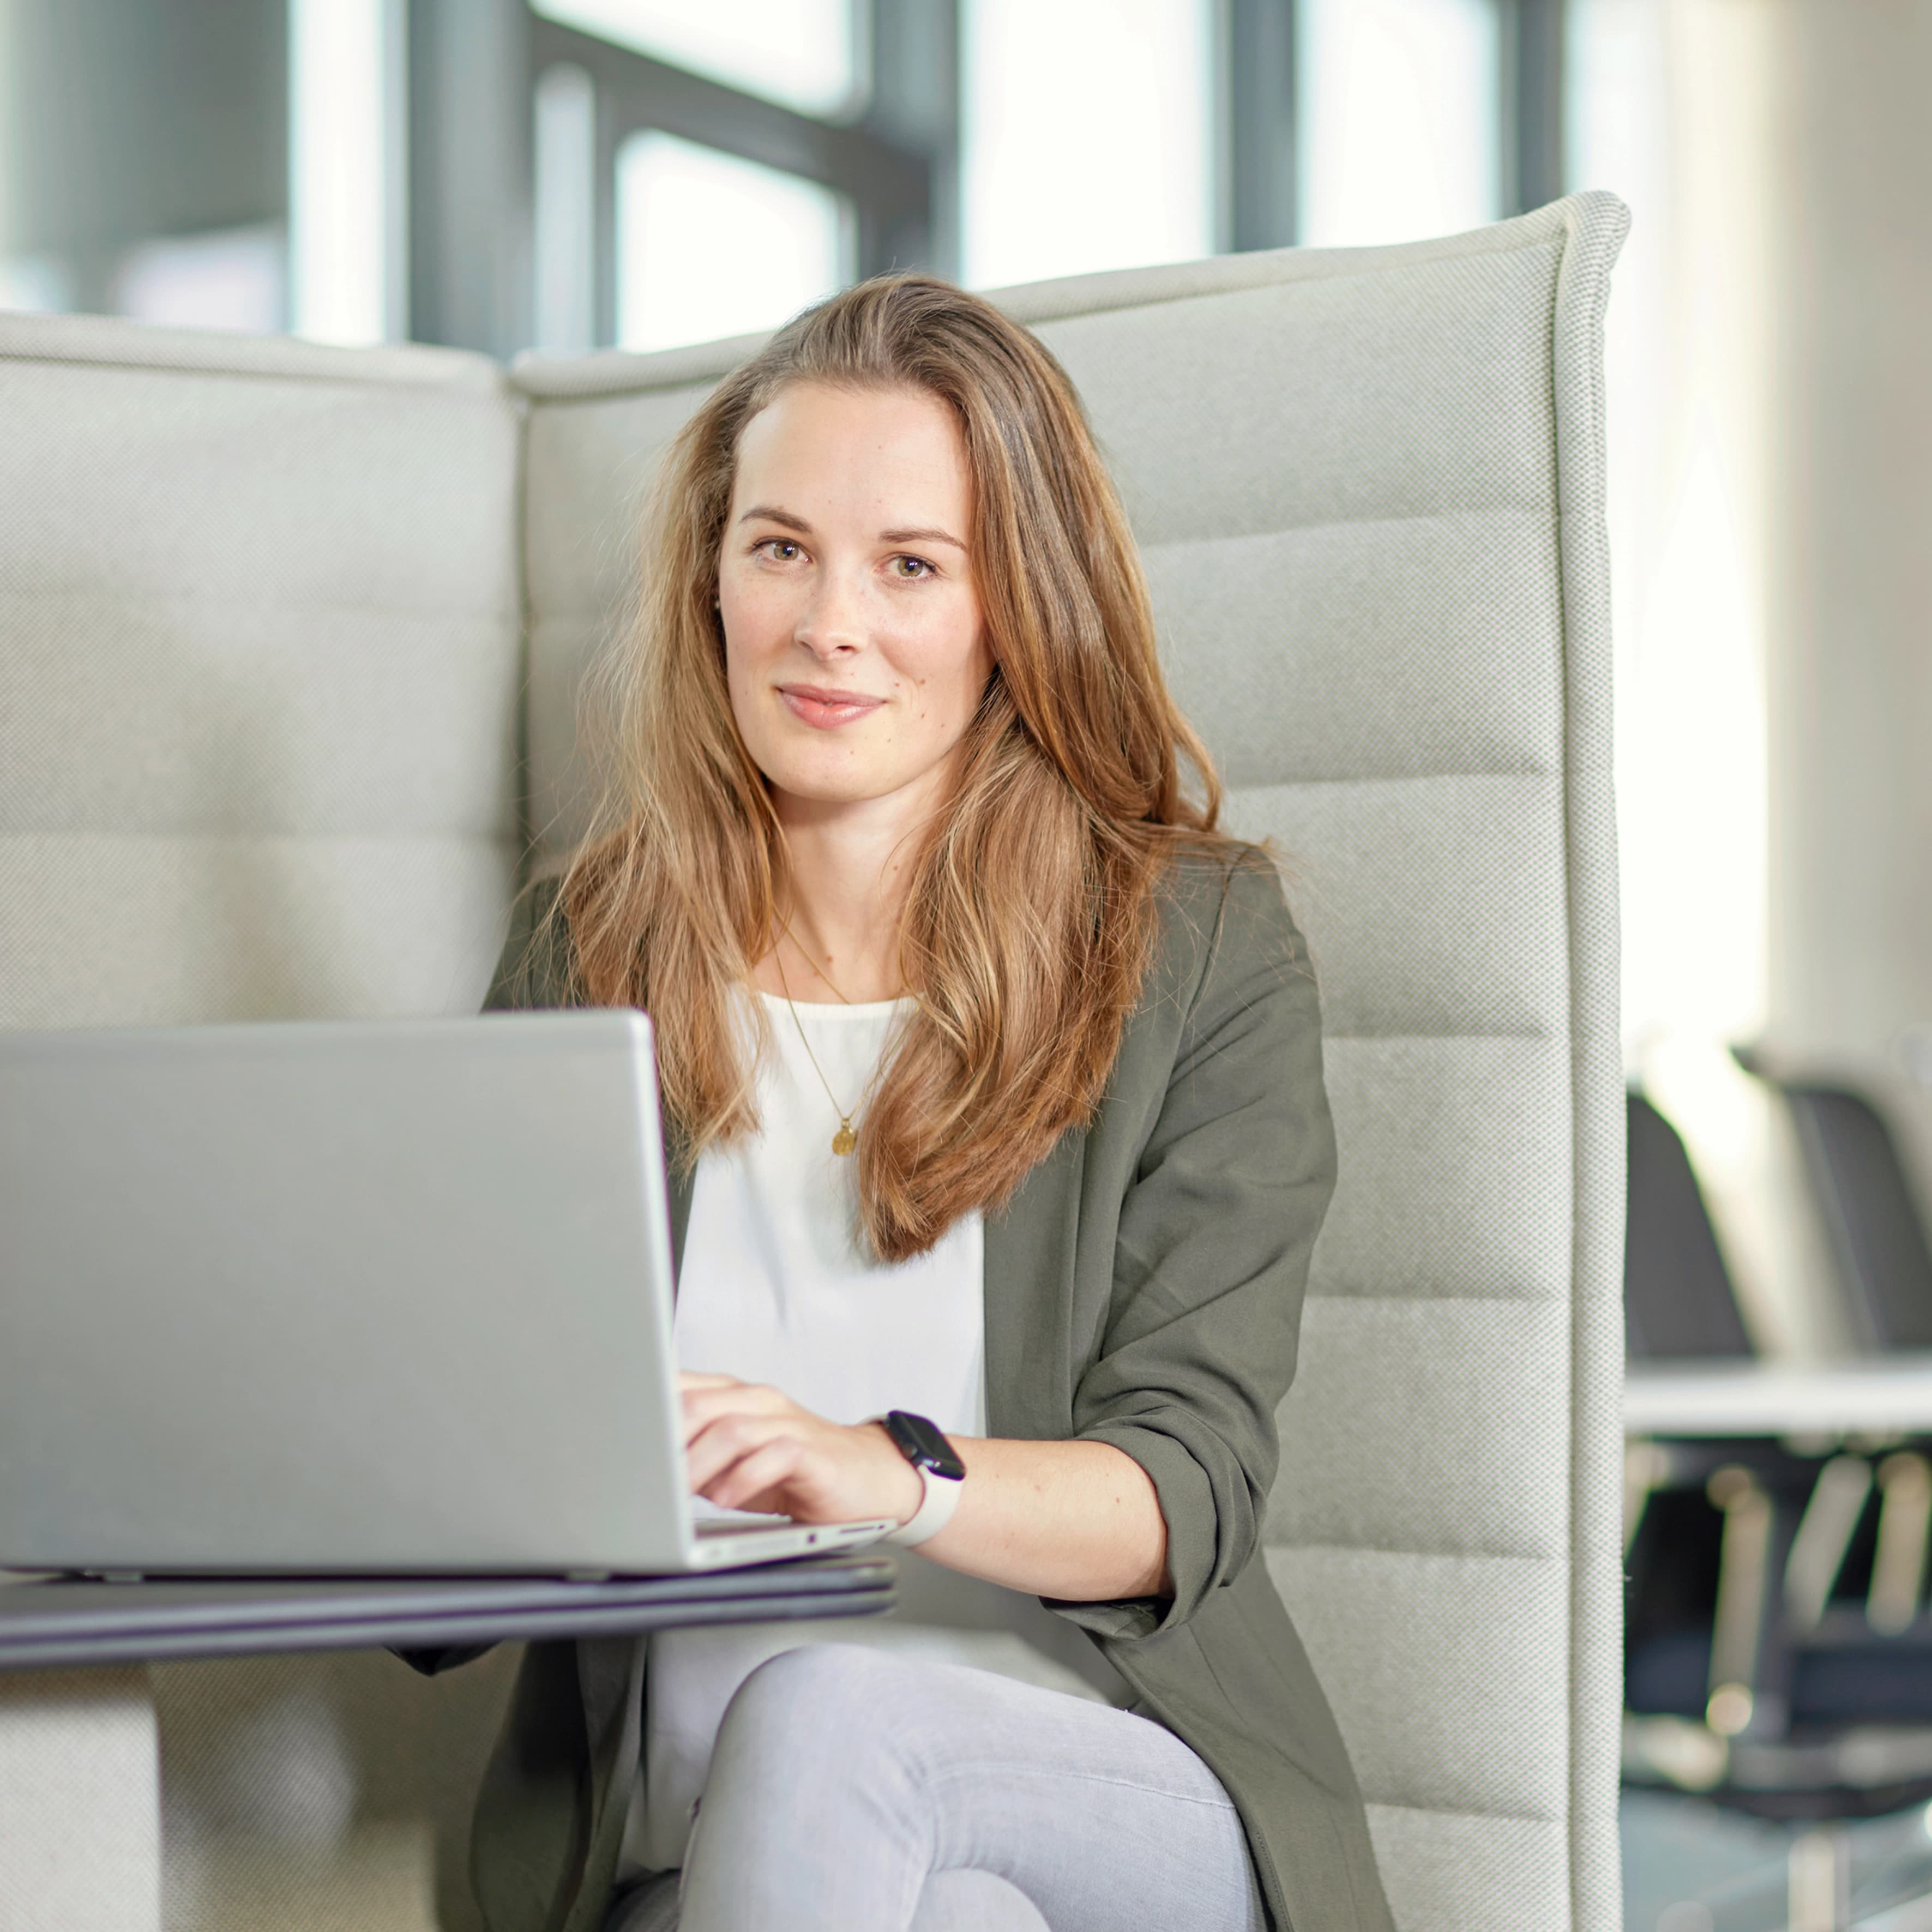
(776, 1286)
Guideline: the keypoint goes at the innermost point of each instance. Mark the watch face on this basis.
(923, 1446)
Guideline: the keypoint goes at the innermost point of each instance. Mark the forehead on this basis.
(816, 443)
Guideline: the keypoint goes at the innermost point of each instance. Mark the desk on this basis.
(65, 1623)
(80, 1797)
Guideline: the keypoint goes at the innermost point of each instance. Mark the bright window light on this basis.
(1398, 109)
(35, 284)
(1088, 136)
(803, 53)
(566, 213)
(231, 279)
(709, 245)
(345, 239)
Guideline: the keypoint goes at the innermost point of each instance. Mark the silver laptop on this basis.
(368, 1298)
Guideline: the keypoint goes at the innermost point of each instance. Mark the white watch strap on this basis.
(942, 1498)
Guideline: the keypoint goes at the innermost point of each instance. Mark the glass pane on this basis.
(345, 259)
(1088, 136)
(1398, 107)
(231, 279)
(710, 245)
(804, 53)
(565, 152)
(37, 284)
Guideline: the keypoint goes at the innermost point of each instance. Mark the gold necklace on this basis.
(785, 926)
(844, 1140)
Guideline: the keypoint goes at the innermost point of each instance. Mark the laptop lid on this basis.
(391, 1296)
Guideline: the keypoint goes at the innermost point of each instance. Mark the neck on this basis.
(851, 867)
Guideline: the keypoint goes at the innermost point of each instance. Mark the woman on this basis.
(991, 1072)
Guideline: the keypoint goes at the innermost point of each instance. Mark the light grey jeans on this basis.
(853, 1790)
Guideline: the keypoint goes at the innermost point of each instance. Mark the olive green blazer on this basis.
(1143, 1288)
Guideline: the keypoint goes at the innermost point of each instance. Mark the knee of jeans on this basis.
(975, 1901)
(836, 1692)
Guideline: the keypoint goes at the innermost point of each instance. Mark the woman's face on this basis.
(853, 647)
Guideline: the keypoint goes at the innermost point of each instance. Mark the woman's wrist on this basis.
(902, 1490)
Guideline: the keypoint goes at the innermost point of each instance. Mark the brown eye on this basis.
(911, 569)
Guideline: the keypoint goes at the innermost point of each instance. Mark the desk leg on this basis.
(80, 1835)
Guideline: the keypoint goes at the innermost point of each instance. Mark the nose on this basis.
(832, 624)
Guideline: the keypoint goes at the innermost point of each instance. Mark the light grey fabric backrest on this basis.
(261, 644)
(1368, 485)
(260, 659)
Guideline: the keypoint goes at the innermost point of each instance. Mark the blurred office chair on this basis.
(1679, 1302)
(1777, 1575)
(293, 640)
(1870, 1213)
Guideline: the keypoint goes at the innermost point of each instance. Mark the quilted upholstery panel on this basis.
(260, 660)
(1424, 1649)
(1368, 486)
(591, 468)
(260, 671)
(1442, 1192)
(1404, 1391)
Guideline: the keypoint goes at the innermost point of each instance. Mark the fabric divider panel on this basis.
(198, 716)
(1412, 1650)
(402, 497)
(1455, 1157)
(1389, 1438)
(1432, 394)
(1462, 1871)
(1431, 905)
(136, 930)
(1415, 676)
(590, 465)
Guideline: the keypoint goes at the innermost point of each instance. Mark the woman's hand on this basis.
(752, 1448)
(1079, 1520)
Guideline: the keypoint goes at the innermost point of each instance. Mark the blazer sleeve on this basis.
(1211, 1261)
(536, 969)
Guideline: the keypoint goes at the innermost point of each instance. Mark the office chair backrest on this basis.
(1678, 1300)
(1368, 485)
(1870, 1213)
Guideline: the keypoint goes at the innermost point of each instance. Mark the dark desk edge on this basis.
(136, 1623)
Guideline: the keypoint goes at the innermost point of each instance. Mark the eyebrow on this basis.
(921, 536)
(769, 513)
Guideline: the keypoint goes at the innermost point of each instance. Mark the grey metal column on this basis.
(1259, 135)
(915, 105)
(470, 180)
(1532, 104)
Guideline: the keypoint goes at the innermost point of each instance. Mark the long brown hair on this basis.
(1030, 914)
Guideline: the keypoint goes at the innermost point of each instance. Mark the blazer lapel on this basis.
(1029, 1251)
(677, 1187)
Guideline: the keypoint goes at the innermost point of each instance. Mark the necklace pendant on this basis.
(844, 1140)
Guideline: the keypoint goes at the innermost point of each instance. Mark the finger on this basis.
(705, 1405)
(699, 1378)
(725, 1441)
(761, 1481)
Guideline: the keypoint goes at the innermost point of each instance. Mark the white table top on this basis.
(1891, 1392)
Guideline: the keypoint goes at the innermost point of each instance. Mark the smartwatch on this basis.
(940, 1470)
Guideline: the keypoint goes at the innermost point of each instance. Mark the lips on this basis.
(827, 709)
